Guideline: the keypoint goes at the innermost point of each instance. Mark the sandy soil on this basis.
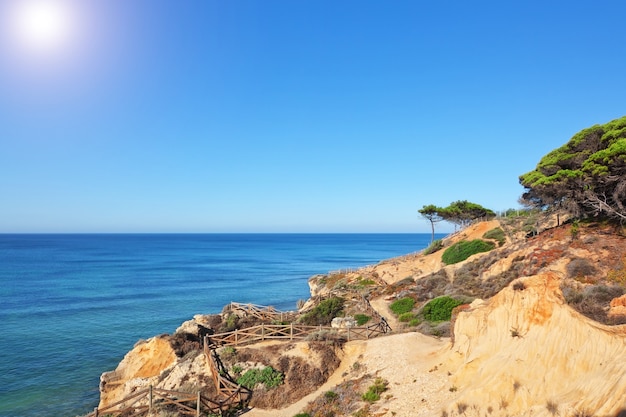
(418, 386)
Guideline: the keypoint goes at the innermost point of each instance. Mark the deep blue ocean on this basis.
(73, 305)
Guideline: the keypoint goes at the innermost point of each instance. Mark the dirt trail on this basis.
(382, 307)
(418, 384)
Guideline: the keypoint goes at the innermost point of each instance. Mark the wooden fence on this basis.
(228, 391)
(291, 332)
(264, 313)
(231, 395)
(185, 403)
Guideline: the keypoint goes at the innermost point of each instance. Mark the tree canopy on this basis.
(460, 212)
(586, 176)
(463, 212)
(431, 213)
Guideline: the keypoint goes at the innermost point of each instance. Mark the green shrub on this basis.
(361, 319)
(440, 309)
(364, 282)
(331, 395)
(302, 415)
(373, 392)
(433, 247)
(462, 250)
(324, 312)
(401, 306)
(267, 376)
(414, 322)
(406, 317)
(496, 234)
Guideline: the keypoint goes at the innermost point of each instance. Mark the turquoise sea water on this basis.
(73, 305)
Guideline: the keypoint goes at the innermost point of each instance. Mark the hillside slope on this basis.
(541, 334)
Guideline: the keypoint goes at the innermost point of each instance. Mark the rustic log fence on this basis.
(231, 395)
(143, 402)
(263, 313)
(291, 332)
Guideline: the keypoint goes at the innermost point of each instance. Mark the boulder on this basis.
(343, 322)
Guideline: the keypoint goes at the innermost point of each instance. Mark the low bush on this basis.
(433, 247)
(431, 286)
(406, 317)
(462, 250)
(267, 376)
(401, 306)
(581, 270)
(496, 234)
(373, 392)
(361, 319)
(331, 395)
(324, 312)
(440, 309)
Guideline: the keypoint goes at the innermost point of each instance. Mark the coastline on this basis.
(115, 291)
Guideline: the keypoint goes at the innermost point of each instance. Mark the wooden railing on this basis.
(231, 395)
(228, 391)
(291, 332)
(185, 403)
(264, 313)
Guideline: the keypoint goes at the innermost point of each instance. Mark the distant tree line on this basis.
(460, 212)
(586, 177)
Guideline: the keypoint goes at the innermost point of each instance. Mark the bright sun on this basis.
(42, 25)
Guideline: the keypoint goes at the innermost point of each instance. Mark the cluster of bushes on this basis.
(593, 301)
(267, 376)
(324, 312)
(429, 318)
(345, 399)
(462, 250)
(440, 309)
(373, 392)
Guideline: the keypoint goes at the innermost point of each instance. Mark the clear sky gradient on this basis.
(295, 116)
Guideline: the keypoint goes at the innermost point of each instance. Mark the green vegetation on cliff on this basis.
(324, 312)
(586, 176)
(462, 250)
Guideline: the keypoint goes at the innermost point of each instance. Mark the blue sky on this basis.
(295, 116)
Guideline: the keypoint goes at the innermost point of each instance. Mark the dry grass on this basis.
(302, 375)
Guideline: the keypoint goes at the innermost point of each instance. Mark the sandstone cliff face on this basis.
(142, 366)
(525, 352)
(522, 352)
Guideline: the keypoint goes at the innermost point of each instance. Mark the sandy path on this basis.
(411, 362)
(382, 307)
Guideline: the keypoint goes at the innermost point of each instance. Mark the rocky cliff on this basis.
(542, 335)
(525, 352)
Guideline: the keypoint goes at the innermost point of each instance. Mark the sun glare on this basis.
(42, 25)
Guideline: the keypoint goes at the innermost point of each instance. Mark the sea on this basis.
(72, 305)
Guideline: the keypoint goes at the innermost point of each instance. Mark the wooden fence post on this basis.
(150, 406)
(291, 332)
(262, 331)
(198, 405)
(95, 411)
(236, 337)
